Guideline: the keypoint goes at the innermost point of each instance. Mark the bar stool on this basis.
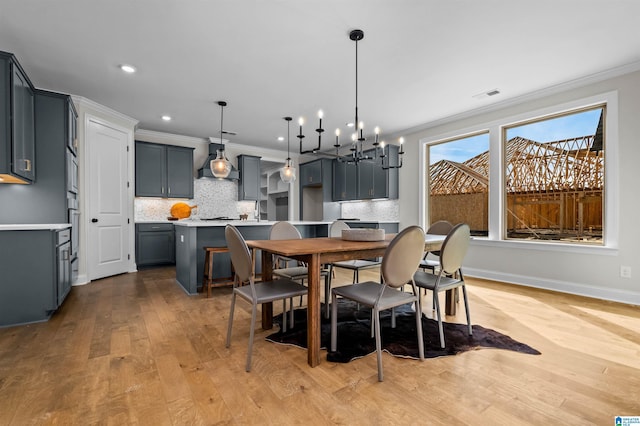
(207, 277)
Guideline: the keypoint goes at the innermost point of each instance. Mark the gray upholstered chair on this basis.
(256, 293)
(400, 260)
(441, 227)
(449, 276)
(335, 230)
(286, 231)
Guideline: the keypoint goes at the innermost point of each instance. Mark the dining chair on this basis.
(449, 277)
(401, 258)
(441, 227)
(256, 293)
(335, 230)
(284, 230)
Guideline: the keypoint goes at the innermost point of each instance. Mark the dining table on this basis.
(316, 252)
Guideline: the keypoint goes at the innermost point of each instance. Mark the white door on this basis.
(108, 228)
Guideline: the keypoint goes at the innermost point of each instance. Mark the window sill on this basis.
(545, 246)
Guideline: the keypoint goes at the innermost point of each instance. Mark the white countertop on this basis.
(35, 227)
(211, 223)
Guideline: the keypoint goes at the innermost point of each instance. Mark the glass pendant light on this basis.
(221, 167)
(288, 173)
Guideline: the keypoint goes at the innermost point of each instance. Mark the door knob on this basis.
(94, 220)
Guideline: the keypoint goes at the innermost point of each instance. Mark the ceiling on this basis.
(420, 60)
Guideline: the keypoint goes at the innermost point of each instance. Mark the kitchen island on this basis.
(193, 235)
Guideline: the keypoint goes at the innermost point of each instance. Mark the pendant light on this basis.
(288, 173)
(221, 167)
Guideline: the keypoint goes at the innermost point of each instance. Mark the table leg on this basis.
(450, 302)
(267, 275)
(313, 311)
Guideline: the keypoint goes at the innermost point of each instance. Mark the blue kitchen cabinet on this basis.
(36, 274)
(17, 123)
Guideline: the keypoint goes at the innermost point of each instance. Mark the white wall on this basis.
(593, 273)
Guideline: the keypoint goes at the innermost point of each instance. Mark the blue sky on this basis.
(566, 127)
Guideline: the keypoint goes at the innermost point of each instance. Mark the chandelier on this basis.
(288, 173)
(357, 138)
(221, 167)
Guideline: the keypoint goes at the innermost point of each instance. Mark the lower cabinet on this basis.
(36, 274)
(63, 259)
(155, 244)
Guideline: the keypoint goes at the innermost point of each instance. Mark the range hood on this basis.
(205, 170)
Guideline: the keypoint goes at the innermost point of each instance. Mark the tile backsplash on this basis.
(220, 198)
(213, 197)
(378, 210)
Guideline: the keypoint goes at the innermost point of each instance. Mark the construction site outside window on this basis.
(554, 177)
(459, 182)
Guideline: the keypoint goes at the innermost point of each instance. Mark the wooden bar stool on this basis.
(207, 277)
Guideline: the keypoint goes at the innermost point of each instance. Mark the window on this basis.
(554, 177)
(459, 182)
(544, 179)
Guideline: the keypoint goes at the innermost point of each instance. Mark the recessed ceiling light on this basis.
(349, 124)
(280, 138)
(129, 69)
(166, 118)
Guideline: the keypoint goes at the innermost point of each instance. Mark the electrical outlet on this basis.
(182, 238)
(625, 271)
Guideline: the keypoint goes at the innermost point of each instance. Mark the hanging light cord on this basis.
(221, 120)
(355, 124)
(288, 155)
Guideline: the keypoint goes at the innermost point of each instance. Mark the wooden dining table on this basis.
(315, 252)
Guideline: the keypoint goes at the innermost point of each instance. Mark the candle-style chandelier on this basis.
(357, 138)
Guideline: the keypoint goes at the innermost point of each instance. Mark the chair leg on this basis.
(393, 317)
(356, 276)
(233, 304)
(466, 308)
(334, 322)
(419, 329)
(437, 302)
(284, 314)
(254, 308)
(327, 290)
(378, 343)
(301, 282)
(291, 313)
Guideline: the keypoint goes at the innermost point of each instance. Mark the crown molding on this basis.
(169, 138)
(81, 101)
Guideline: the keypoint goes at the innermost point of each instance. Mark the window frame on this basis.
(497, 177)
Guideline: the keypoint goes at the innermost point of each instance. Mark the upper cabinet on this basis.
(376, 182)
(72, 126)
(164, 171)
(311, 173)
(49, 198)
(344, 181)
(249, 185)
(17, 127)
(366, 180)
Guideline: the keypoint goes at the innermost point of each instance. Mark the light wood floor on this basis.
(134, 349)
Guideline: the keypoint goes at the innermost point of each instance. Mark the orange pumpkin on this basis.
(181, 210)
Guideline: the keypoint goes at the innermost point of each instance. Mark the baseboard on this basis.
(81, 280)
(602, 293)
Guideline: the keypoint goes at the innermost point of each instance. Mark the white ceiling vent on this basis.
(487, 93)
